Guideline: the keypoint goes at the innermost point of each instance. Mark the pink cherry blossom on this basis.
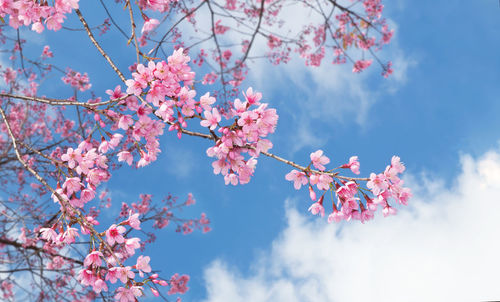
(387, 211)
(318, 160)
(134, 221)
(69, 235)
(48, 234)
(211, 119)
(397, 165)
(73, 157)
(126, 157)
(131, 244)
(299, 178)
(149, 25)
(336, 216)
(252, 97)
(143, 265)
(178, 284)
(348, 190)
(377, 183)
(206, 101)
(114, 234)
(354, 164)
(87, 195)
(99, 285)
(119, 273)
(86, 277)
(124, 295)
(72, 185)
(317, 208)
(322, 181)
(361, 65)
(94, 258)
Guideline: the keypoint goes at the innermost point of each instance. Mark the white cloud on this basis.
(443, 247)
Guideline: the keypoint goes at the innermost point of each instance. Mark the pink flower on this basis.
(46, 52)
(99, 285)
(113, 234)
(72, 157)
(350, 204)
(134, 87)
(318, 160)
(136, 290)
(239, 107)
(48, 234)
(403, 196)
(149, 25)
(366, 215)
(348, 190)
(397, 165)
(388, 210)
(253, 98)
(115, 140)
(38, 27)
(121, 273)
(87, 195)
(125, 121)
(178, 284)
(190, 200)
(317, 208)
(116, 93)
(86, 277)
(124, 295)
(231, 178)
(131, 245)
(126, 157)
(377, 183)
(206, 101)
(72, 185)
(354, 164)
(361, 65)
(134, 221)
(322, 181)
(336, 216)
(103, 147)
(93, 258)
(143, 265)
(69, 235)
(299, 178)
(211, 119)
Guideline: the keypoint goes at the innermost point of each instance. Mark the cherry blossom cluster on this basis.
(174, 103)
(112, 247)
(47, 53)
(104, 263)
(349, 193)
(253, 121)
(38, 14)
(73, 78)
(87, 168)
(6, 288)
(165, 86)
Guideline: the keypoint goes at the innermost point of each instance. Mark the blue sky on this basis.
(442, 105)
